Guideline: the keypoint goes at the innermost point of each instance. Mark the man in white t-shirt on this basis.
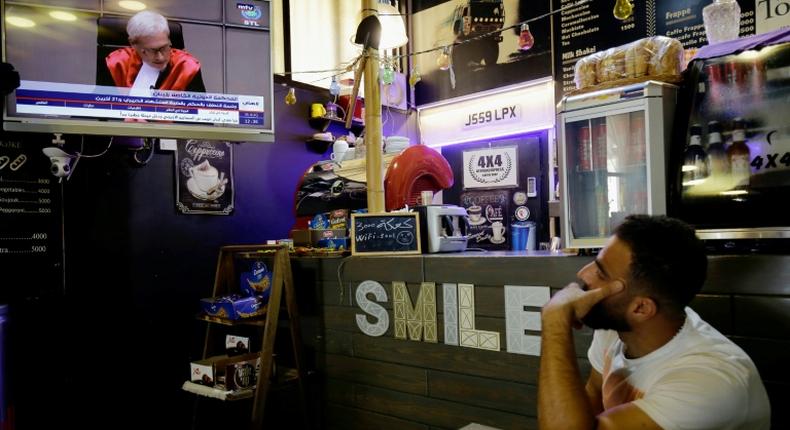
(656, 363)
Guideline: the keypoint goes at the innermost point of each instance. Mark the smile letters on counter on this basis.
(416, 321)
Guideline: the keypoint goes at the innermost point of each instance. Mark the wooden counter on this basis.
(388, 383)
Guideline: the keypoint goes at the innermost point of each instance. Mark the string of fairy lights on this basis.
(390, 63)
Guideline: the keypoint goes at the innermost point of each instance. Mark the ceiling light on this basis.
(393, 30)
(63, 15)
(132, 5)
(18, 21)
(734, 192)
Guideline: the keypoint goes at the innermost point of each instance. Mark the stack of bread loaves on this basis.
(651, 56)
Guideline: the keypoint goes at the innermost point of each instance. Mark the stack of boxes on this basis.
(327, 230)
(255, 285)
(236, 370)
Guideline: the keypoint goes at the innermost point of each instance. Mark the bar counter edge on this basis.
(384, 382)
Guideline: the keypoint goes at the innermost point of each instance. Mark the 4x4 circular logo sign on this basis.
(491, 168)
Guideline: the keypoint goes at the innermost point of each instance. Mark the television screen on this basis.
(189, 68)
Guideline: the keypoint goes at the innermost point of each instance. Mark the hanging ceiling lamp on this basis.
(393, 29)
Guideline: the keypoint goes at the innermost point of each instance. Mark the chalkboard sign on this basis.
(385, 234)
(31, 237)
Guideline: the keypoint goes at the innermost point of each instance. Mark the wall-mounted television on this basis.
(76, 79)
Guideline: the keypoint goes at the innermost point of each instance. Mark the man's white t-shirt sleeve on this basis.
(695, 398)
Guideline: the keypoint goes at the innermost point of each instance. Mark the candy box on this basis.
(233, 306)
(243, 372)
(336, 243)
(338, 219)
(256, 281)
(313, 236)
(224, 372)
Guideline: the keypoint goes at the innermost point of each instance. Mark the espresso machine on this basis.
(443, 228)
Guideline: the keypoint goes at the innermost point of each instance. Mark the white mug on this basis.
(350, 154)
(498, 230)
(339, 149)
(426, 197)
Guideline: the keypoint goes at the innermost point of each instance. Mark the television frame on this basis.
(99, 126)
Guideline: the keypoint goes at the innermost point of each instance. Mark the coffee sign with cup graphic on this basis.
(204, 177)
(488, 211)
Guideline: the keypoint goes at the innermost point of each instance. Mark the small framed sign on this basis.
(385, 234)
(495, 167)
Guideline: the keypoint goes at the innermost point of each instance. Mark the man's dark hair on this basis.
(668, 261)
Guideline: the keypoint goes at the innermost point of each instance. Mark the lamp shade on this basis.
(393, 30)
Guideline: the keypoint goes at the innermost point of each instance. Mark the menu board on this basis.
(31, 251)
(385, 234)
(682, 20)
(591, 27)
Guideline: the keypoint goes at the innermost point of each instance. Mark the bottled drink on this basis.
(637, 142)
(738, 155)
(695, 168)
(718, 164)
(585, 149)
(599, 146)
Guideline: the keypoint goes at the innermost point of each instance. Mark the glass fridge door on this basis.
(738, 134)
(606, 174)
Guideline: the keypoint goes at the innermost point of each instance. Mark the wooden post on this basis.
(373, 144)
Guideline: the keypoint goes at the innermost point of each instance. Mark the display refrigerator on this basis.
(731, 154)
(613, 156)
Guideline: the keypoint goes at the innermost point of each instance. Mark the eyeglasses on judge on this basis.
(164, 50)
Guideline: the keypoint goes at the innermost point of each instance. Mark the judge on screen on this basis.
(150, 62)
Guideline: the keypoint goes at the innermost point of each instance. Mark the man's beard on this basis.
(602, 317)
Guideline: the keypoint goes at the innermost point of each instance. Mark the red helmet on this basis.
(418, 168)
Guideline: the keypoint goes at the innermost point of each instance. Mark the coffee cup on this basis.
(317, 110)
(522, 236)
(426, 197)
(205, 175)
(497, 231)
(474, 213)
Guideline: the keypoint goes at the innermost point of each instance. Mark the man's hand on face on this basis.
(573, 302)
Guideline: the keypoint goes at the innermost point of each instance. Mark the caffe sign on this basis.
(495, 167)
(204, 177)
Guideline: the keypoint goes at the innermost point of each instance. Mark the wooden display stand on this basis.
(225, 282)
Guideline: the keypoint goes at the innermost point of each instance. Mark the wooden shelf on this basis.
(217, 393)
(318, 146)
(226, 282)
(286, 377)
(336, 126)
(259, 322)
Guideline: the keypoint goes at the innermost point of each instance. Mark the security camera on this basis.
(61, 161)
